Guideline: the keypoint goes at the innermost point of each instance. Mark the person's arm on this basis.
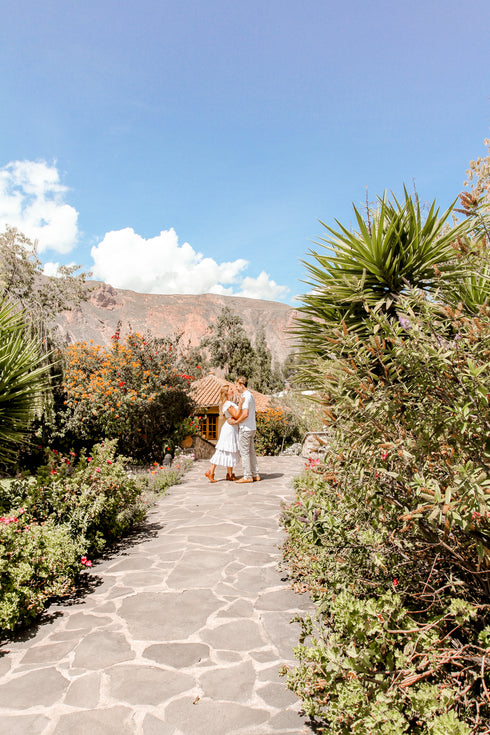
(243, 411)
(234, 411)
(241, 417)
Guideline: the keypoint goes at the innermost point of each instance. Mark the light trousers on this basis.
(247, 453)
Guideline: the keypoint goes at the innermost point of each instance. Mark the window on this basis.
(212, 427)
(209, 426)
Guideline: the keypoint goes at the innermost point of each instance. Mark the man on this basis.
(247, 428)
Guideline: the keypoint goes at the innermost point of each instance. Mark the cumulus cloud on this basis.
(51, 269)
(32, 199)
(262, 287)
(160, 265)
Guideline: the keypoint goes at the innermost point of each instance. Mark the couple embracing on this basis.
(237, 436)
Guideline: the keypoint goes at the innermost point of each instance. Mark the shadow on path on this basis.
(181, 629)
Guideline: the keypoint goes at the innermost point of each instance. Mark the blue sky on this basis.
(193, 146)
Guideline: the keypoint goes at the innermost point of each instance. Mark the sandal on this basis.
(210, 476)
(230, 477)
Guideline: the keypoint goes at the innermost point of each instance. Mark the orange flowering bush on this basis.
(276, 429)
(132, 392)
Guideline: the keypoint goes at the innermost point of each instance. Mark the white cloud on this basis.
(262, 287)
(160, 265)
(51, 269)
(32, 200)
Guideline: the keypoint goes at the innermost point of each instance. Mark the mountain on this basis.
(165, 315)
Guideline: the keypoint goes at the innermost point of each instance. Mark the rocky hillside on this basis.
(165, 315)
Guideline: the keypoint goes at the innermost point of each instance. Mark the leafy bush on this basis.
(93, 496)
(160, 478)
(71, 509)
(132, 392)
(37, 561)
(391, 534)
(276, 429)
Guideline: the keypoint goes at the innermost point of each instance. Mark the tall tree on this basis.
(229, 346)
(266, 378)
(23, 283)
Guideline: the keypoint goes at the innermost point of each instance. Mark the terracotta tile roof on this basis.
(205, 392)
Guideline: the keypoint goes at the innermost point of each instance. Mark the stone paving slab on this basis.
(183, 631)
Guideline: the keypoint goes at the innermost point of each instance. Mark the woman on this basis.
(227, 451)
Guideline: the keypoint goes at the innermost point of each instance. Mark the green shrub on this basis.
(36, 562)
(391, 534)
(74, 506)
(133, 392)
(160, 478)
(276, 429)
(92, 495)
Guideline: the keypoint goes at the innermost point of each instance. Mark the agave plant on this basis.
(23, 380)
(397, 248)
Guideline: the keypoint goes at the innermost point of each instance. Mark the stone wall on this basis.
(201, 448)
(315, 444)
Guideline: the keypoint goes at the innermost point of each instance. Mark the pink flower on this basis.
(384, 455)
(89, 459)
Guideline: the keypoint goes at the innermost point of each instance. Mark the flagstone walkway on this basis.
(181, 632)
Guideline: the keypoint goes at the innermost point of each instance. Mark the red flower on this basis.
(395, 582)
(121, 383)
(53, 472)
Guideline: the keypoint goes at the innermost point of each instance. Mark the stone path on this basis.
(182, 632)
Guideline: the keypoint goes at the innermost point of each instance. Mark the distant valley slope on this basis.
(165, 315)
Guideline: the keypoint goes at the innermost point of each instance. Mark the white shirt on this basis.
(249, 403)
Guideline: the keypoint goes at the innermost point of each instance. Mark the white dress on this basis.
(227, 452)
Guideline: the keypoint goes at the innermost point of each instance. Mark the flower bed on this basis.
(53, 525)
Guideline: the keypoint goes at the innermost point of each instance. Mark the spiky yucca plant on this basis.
(23, 380)
(398, 247)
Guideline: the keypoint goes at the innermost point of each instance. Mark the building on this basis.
(205, 393)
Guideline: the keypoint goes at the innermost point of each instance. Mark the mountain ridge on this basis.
(165, 315)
